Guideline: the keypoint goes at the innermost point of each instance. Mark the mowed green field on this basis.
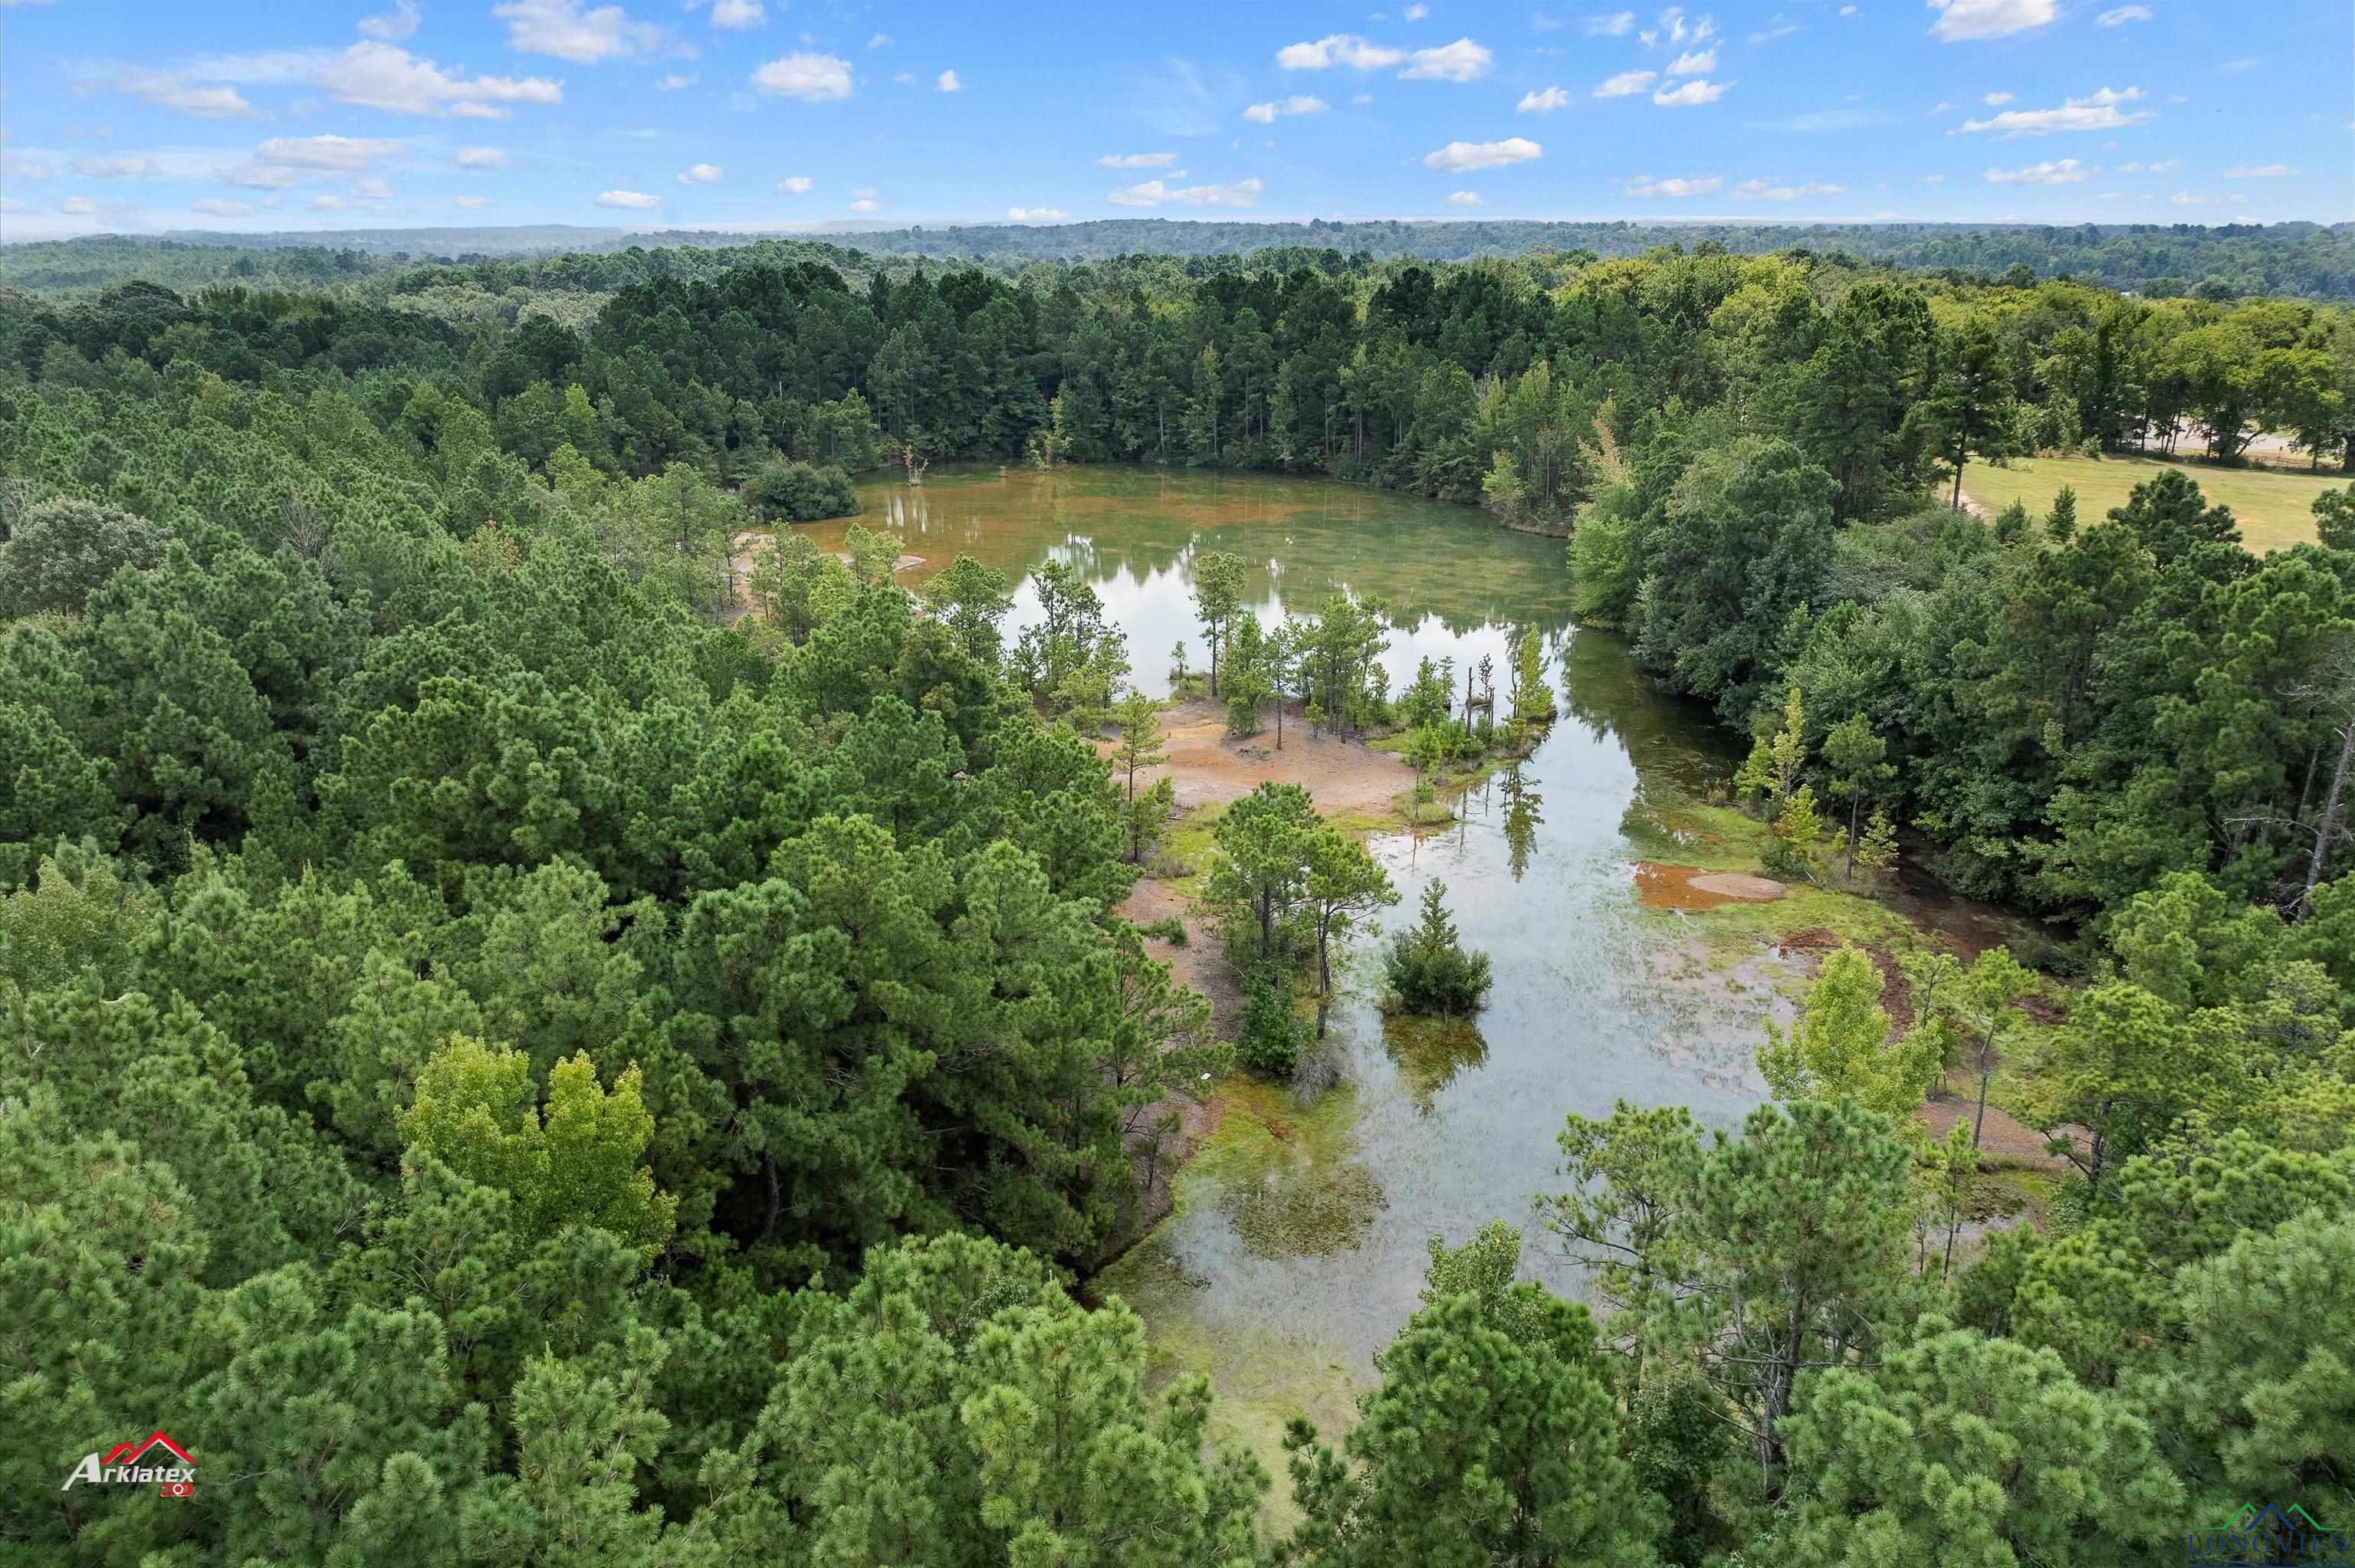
(2275, 508)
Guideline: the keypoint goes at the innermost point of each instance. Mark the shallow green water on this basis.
(1298, 1243)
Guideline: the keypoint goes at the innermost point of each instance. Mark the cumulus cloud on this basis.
(1610, 25)
(2239, 172)
(1462, 61)
(812, 77)
(1337, 48)
(220, 206)
(381, 76)
(672, 82)
(635, 201)
(948, 82)
(1545, 102)
(1036, 214)
(1463, 198)
(2120, 16)
(472, 203)
(1701, 185)
(737, 13)
(1963, 20)
(1458, 157)
(1998, 99)
(865, 198)
(481, 158)
(793, 184)
(1767, 190)
(1697, 62)
(1627, 84)
(562, 28)
(371, 189)
(282, 160)
(1152, 193)
(1694, 91)
(393, 26)
(2096, 112)
(700, 174)
(184, 96)
(1674, 28)
(1269, 113)
(2187, 198)
(2054, 172)
(324, 203)
(1136, 160)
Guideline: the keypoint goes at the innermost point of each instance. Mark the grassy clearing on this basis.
(2275, 508)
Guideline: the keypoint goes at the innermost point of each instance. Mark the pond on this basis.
(1298, 1243)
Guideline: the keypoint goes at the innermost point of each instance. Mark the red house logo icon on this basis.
(122, 1466)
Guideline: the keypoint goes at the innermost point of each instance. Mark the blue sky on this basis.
(245, 115)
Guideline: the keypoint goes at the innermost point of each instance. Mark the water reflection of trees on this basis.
(1522, 818)
(1430, 1052)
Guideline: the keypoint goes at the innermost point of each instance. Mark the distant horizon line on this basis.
(852, 226)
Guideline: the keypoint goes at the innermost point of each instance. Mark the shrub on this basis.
(1429, 969)
(796, 492)
(1168, 928)
(1272, 1033)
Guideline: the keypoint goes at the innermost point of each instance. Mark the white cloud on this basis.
(1998, 99)
(328, 204)
(1934, 179)
(865, 198)
(815, 78)
(561, 28)
(1136, 160)
(1545, 102)
(1959, 20)
(1152, 193)
(637, 201)
(472, 203)
(482, 158)
(2120, 16)
(948, 82)
(126, 167)
(1768, 35)
(1036, 214)
(10, 203)
(700, 174)
(2240, 172)
(1699, 62)
(879, 41)
(218, 207)
(737, 13)
(1458, 157)
(393, 26)
(2096, 112)
(17, 166)
(2187, 198)
(1462, 61)
(1337, 48)
(1463, 198)
(1268, 113)
(1361, 99)
(371, 189)
(1416, 13)
(672, 82)
(1694, 91)
(2165, 166)
(1627, 84)
(184, 96)
(1766, 190)
(77, 206)
(1613, 25)
(1848, 11)
(793, 184)
(285, 155)
(1645, 185)
(381, 76)
(905, 78)
(2061, 171)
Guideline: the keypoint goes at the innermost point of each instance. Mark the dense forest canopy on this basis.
(535, 1070)
(2232, 260)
